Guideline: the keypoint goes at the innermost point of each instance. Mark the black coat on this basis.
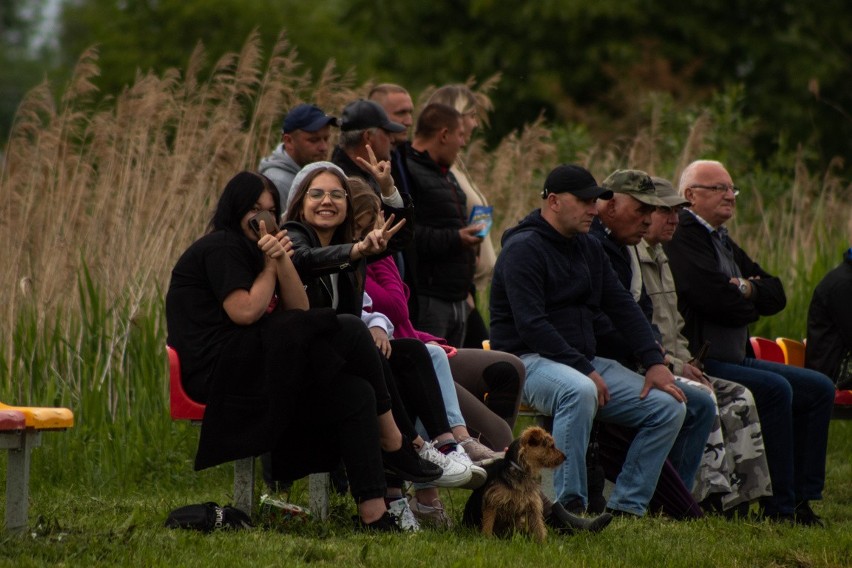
(547, 292)
(611, 343)
(259, 378)
(445, 267)
(705, 293)
(830, 321)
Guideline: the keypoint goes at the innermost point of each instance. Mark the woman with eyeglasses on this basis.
(265, 365)
(332, 263)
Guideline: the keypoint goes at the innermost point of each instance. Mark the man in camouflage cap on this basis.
(551, 282)
(622, 221)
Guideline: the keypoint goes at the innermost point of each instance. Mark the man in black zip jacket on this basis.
(445, 243)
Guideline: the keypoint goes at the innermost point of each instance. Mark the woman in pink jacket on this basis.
(488, 383)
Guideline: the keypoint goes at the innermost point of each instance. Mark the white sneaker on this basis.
(433, 516)
(478, 475)
(403, 515)
(456, 473)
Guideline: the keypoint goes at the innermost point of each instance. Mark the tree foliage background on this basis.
(578, 62)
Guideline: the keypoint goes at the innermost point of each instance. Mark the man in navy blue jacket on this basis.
(551, 282)
(622, 221)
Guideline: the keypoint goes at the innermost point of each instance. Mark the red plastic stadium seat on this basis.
(12, 420)
(767, 350)
(181, 406)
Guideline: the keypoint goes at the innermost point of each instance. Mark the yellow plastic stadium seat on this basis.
(20, 431)
(44, 418)
(794, 351)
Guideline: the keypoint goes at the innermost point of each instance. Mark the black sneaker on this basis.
(407, 464)
(385, 523)
(738, 512)
(622, 514)
(805, 516)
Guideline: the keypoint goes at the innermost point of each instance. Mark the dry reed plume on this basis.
(123, 185)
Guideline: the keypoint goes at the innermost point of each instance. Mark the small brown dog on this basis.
(510, 500)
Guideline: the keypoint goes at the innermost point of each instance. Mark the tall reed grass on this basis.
(99, 196)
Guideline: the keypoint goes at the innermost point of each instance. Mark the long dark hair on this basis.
(345, 233)
(239, 196)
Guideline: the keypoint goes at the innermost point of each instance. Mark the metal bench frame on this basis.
(20, 432)
(182, 407)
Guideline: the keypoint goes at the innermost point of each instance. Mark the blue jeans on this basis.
(447, 384)
(570, 397)
(688, 450)
(448, 390)
(794, 406)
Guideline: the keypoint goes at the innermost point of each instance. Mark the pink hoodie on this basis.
(390, 297)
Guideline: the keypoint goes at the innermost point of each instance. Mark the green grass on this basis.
(79, 524)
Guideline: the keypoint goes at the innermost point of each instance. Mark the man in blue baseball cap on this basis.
(304, 140)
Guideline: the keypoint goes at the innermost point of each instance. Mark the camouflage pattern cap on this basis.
(636, 184)
(667, 193)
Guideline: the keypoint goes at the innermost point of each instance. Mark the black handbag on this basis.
(207, 517)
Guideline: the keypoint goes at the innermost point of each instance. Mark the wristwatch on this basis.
(743, 286)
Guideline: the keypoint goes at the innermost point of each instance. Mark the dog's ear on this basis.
(534, 436)
(513, 453)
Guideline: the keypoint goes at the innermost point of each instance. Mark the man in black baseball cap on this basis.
(304, 140)
(365, 128)
(576, 180)
(363, 114)
(552, 281)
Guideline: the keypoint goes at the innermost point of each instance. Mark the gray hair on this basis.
(687, 176)
(353, 138)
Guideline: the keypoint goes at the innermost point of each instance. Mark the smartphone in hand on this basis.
(268, 219)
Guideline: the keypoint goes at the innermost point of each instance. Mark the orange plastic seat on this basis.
(794, 351)
(766, 350)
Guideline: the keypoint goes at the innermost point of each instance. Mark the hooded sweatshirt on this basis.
(547, 291)
(281, 169)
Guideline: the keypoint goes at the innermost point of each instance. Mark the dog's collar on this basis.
(516, 466)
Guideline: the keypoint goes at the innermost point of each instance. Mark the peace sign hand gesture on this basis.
(380, 170)
(376, 241)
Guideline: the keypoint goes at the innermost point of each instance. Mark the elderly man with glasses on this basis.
(721, 290)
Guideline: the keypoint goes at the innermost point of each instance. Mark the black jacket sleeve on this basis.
(312, 259)
(768, 297)
(703, 288)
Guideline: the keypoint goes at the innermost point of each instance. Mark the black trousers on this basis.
(337, 423)
(418, 389)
